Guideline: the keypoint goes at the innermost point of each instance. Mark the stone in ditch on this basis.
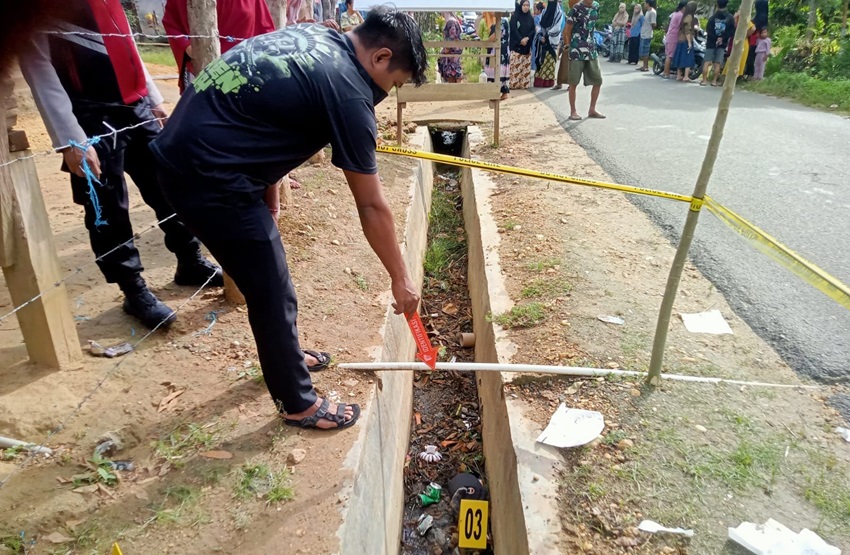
(296, 456)
(701, 428)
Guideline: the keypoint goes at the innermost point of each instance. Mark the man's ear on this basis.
(382, 56)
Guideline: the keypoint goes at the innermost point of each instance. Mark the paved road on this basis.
(782, 166)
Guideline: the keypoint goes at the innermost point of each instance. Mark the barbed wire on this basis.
(145, 35)
(86, 265)
(34, 448)
(112, 133)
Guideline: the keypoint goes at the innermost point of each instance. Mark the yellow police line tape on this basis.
(763, 242)
(790, 260)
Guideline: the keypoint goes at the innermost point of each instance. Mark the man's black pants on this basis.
(241, 234)
(129, 153)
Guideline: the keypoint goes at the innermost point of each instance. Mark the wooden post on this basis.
(203, 20)
(30, 263)
(681, 257)
(497, 72)
(399, 123)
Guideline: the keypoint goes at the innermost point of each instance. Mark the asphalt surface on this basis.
(784, 167)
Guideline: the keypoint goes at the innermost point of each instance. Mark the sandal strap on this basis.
(312, 420)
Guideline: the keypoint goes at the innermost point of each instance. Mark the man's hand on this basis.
(524, 41)
(331, 24)
(406, 299)
(272, 198)
(189, 51)
(160, 113)
(74, 159)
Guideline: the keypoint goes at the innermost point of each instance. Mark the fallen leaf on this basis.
(85, 489)
(72, 524)
(447, 443)
(216, 455)
(168, 400)
(105, 490)
(58, 537)
(450, 309)
(62, 480)
(418, 419)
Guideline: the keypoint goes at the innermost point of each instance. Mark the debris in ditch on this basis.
(843, 432)
(424, 524)
(430, 454)
(616, 320)
(465, 486)
(109, 444)
(774, 538)
(711, 321)
(653, 527)
(431, 494)
(572, 427)
(123, 466)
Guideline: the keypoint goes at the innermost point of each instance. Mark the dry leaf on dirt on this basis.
(169, 400)
(450, 309)
(216, 455)
(85, 489)
(58, 537)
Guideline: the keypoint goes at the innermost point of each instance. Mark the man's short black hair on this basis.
(650, 3)
(721, 4)
(386, 27)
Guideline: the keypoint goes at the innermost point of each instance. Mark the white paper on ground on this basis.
(652, 527)
(844, 432)
(772, 538)
(572, 427)
(706, 322)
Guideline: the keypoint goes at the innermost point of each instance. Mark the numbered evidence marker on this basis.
(472, 524)
(115, 549)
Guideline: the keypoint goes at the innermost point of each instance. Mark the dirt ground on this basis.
(700, 456)
(175, 500)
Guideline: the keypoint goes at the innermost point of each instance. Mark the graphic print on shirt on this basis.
(719, 27)
(266, 57)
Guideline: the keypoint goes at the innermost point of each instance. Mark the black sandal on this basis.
(323, 358)
(322, 413)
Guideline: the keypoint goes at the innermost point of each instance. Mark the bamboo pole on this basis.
(660, 341)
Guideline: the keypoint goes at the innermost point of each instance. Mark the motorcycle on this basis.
(659, 58)
(603, 40)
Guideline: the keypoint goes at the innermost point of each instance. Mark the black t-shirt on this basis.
(721, 29)
(270, 103)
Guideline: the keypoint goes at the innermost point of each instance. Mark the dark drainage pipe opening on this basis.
(445, 461)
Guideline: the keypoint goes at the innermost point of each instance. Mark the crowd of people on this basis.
(680, 36)
(533, 40)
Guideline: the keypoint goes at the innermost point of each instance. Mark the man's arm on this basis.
(55, 106)
(175, 21)
(568, 33)
(376, 218)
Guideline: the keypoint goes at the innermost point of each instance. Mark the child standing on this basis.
(762, 52)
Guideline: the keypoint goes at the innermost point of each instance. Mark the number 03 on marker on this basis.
(472, 524)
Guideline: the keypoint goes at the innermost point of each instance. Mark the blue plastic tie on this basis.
(91, 179)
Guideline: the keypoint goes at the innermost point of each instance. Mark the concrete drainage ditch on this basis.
(520, 474)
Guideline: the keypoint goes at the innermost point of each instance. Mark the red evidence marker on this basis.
(425, 351)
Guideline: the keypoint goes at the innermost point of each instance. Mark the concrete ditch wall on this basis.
(521, 473)
(372, 518)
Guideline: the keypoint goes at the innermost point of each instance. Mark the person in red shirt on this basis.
(237, 20)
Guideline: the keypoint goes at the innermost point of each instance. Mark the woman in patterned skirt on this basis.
(548, 41)
(522, 35)
(504, 54)
(450, 69)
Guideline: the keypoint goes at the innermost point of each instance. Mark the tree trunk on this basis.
(844, 18)
(203, 20)
(813, 20)
(675, 276)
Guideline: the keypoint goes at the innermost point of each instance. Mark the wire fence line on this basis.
(145, 35)
(33, 451)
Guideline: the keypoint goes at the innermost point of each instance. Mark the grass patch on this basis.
(445, 233)
(258, 480)
(545, 288)
(522, 316)
(11, 453)
(180, 505)
(806, 90)
(615, 437)
(102, 473)
(86, 535)
(186, 439)
(543, 265)
(825, 485)
(511, 225)
(361, 282)
(12, 542)
(750, 464)
(158, 55)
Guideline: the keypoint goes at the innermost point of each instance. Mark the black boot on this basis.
(196, 270)
(142, 304)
